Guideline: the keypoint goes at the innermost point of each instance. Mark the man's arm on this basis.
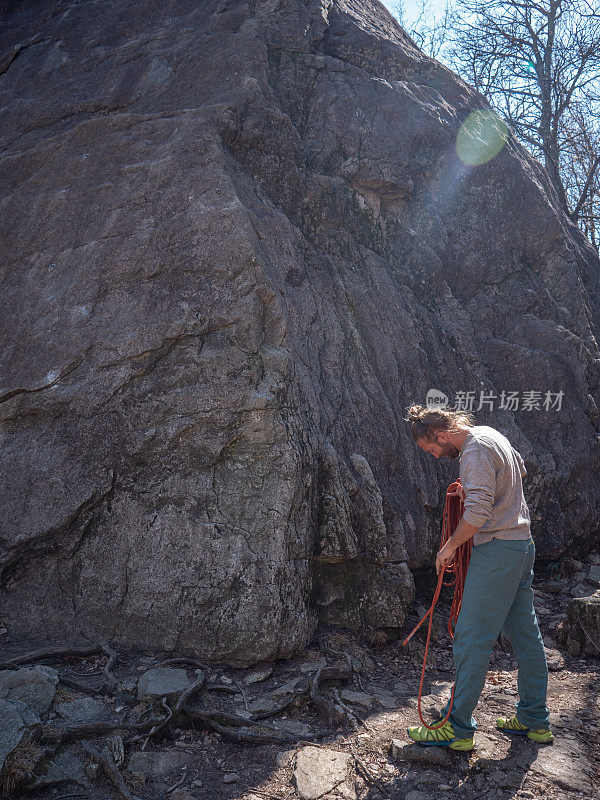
(464, 531)
(478, 476)
(521, 463)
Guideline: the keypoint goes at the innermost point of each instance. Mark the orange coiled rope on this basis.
(453, 511)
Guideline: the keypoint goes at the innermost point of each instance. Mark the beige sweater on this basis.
(490, 472)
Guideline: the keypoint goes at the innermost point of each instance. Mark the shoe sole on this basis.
(525, 733)
(447, 744)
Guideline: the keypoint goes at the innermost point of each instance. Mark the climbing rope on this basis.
(457, 569)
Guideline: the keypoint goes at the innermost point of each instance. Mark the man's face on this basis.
(440, 447)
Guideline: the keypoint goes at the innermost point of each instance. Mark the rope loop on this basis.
(457, 572)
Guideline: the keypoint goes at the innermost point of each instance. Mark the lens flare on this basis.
(481, 137)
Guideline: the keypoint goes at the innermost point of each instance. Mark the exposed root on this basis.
(81, 687)
(183, 711)
(52, 652)
(105, 762)
(241, 729)
(112, 657)
(58, 734)
(156, 727)
(67, 652)
(191, 662)
(370, 778)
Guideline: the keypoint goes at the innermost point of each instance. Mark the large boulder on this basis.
(237, 242)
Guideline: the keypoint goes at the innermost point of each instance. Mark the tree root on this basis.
(67, 651)
(240, 728)
(52, 652)
(156, 727)
(81, 687)
(58, 734)
(183, 711)
(356, 718)
(177, 784)
(320, 701)
(192, 662)
(112, 657)
(370, 778)
(104, 760)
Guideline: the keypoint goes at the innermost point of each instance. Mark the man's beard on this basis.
(450, 451)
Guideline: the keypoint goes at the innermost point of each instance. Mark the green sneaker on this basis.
(442, 737)
(512, 725)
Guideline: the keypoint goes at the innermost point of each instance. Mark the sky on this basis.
(411, 7)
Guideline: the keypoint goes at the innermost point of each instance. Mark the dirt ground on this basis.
(193, 762)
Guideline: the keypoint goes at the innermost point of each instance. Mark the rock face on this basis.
(237, 242)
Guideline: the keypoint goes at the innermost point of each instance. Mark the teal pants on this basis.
(498, 597)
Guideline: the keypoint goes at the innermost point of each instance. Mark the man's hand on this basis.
(460, 492)
(463, 532)
(444, 556)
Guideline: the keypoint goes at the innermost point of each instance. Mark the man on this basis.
(498, 594)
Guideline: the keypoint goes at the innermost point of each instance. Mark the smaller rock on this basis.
(430, 776)
(274, 698)
(572, 564)
(181, 794)
(565, 763)
(84, 709)
(313, 666)
(27, 712)
(231, 777)
(415, 752)
(405, 689)
(12, 729)
(593, 576)
(387, 699)
(555, 660)
(445, 787)
(35, 686)
(554, 587)
(441, 687)
(486, 752)
(197, 784)
(91, 770)
(295, 727)
(156, 763)
(317, 771)
(258, 675)
(360, 699)
(581, 590)
(162, 682)
(63, 767)
(284, 757)
(569, 721)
